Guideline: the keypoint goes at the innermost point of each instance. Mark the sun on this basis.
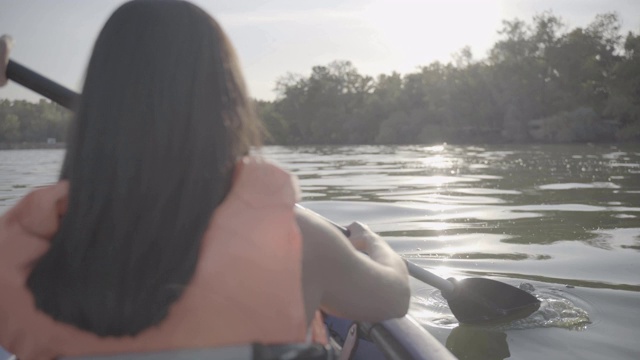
(419, 32)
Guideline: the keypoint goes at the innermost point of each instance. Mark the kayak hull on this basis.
(397, 339)
(402, 338)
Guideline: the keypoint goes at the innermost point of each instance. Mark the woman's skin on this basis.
(348, 283)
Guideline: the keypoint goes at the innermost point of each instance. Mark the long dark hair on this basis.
(163, 118)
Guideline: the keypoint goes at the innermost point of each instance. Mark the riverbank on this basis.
(31, 145)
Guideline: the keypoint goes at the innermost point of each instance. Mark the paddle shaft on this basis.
(40, 84)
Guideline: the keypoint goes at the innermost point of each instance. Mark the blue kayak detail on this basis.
(396, 339)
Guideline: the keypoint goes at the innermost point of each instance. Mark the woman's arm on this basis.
(345, 282)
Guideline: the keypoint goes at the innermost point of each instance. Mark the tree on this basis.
(623, 106)
(23, 121)
(535, 72)
(9, 128)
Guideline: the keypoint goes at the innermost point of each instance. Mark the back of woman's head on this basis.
(162, 120)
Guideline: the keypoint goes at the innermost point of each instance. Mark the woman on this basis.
(163, 233)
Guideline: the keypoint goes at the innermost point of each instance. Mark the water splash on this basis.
(557, 309)
(429, 307)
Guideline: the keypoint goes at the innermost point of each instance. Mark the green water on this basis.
(560, 221)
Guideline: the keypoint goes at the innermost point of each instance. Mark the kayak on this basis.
(395, 339)
(402, 338)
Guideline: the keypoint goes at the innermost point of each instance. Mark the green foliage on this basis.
(324, 108)
(9, 128)
(539, 83)
(579, 125)
(22, 121)
(273, 121)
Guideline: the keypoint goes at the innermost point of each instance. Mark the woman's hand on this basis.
(6, 43)
(362, 237)
(25, 231)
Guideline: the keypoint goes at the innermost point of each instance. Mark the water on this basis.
(559, 221)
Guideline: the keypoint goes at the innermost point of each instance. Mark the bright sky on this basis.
(275, 37)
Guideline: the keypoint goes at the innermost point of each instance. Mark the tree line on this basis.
(26, 122)
(540, 82)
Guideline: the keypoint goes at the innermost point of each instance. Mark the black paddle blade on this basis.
(479, 300)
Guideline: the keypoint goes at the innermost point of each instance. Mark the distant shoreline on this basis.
(31, 146)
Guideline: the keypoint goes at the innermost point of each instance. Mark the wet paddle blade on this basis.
(480, 300)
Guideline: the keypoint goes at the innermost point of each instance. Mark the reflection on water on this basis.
(472, 343)
(562, 218)
(22, 170)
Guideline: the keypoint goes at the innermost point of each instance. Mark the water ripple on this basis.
(557, 309)
(572, 186)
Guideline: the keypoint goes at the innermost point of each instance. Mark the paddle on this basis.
(40, 84)
(472, 300)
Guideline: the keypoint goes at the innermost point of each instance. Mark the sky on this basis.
(277, 37)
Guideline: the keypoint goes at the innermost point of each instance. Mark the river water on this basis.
(560, 221)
